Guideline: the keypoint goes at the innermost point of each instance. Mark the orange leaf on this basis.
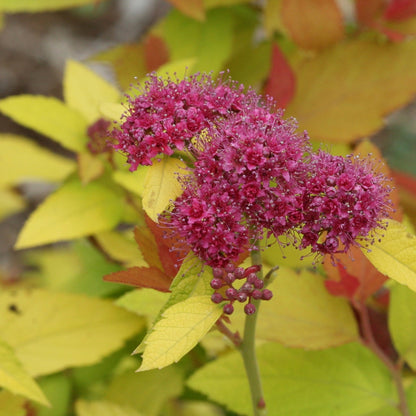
(190, 8)
(149, 277)
(341, 92)
(313, 24)
(281, 82)
(366, 11)
(156, 52)
(356, 265)
(346, 286)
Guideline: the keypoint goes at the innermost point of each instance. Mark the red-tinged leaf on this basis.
(147, 244)
(313, 24)
(367, 11)
(346, 287)
(400, 9)
(148, 277)
(356, 264)
(190, 8)
(405, 181)
(171, 252)
(281, 83)
(155, 51)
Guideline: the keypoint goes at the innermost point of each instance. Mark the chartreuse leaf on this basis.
(84, 90)
(341, 92)
(15, 378)
(74, 210)
(144, 302)
(103, 408)
(192, 279)
(50, 331)
(12, 405)
(343, 381)
(402, 318)
(15, 6)
(411, 397)
(48, 116)
(181, 327)
(22, 160)
(161, 185)
(121, 247)
(304, 313)
(395, 254)
(11, 202)
(132, 181)
(155, 387)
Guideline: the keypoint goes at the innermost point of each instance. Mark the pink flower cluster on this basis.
(252, 173)
(167, 114)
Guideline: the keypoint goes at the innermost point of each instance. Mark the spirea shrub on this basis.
(251, 174)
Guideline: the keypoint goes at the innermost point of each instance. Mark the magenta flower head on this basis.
(245, 179)
(167, 113)
(344, 200)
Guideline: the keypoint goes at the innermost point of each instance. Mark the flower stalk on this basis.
(248, 351)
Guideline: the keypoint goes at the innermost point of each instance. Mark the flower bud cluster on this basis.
(235, 284)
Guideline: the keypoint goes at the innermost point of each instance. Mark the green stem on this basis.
(248, 351)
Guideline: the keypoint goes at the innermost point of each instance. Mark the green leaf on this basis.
(161, 185)
(181, 327)
(16, 6)
(14, 377)
(304, 314)
(103, 408)
(22, 160)
(84, 90)
(74, 210)
(395, 254)
(402, 318)
(155, 387)
(211, 40)
(58, 390)
(50, 331)
(12, 405)
(48, 116)
(343, 381)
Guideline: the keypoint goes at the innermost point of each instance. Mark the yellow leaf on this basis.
(22, 160)
(84, 90)
(341, 92)
(14, 378)
(11, 203)
(50, 331)
(178, 68)
(48, 116)
(111, 111)
(182, 326)
(90, 167)
(103, 408)
(15, 6)
(303, 313)
(74, 210)
(132, 181)
(395, 254)
(121, 248)
(12, 405)
(161, 186)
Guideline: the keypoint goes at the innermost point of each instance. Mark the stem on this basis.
(248, 351)
(370, 342)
